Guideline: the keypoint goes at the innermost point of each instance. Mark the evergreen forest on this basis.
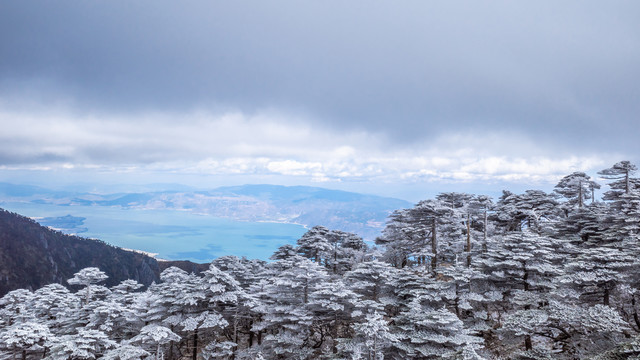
(534, 275)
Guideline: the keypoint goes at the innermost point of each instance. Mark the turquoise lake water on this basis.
(173, 235)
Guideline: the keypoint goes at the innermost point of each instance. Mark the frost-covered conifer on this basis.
(533, 210)
(332, 305)
(284, 252)
(85, 344)
(426, 333)
(286, 318)
(87, 277)
(622, 182)
(14, 307)
(126, 351)
(51, 303)
(372, 280)
(372, 338)
(623, 199)
(520, 269)
(599, 268)
(314, 244)
(576, 188)
(154, 338)
(245, 272)
(347, 250)
(25, 338)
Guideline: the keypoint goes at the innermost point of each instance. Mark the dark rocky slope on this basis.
(32, 256)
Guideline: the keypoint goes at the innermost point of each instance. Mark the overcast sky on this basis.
(388, 97)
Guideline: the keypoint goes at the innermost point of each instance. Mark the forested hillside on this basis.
(32, 256)
(527, 276)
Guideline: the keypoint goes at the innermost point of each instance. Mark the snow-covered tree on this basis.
(372, 337)
(426, 333)
(87, 277)
(622, 183)
(576, 188)
(286, 318)
(418, 234)
(314, 244)
(332, 304)
(598, 269)
(126, 351)
(532, 210)
(85, 344)
(372, 281)
(284, 252)
(154, 337)
(14, 307)
(25, 338)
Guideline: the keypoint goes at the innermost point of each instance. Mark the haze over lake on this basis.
(172, 234)
(200, 225)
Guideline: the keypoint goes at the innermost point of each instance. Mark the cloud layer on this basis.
(327, 91)
(270, 144)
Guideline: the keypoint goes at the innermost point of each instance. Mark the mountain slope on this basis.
(32, 256)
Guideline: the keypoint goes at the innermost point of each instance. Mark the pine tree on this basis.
(520, 269)
(623, 198)
(598, 269)
(87, 277)
(314, 244)
(126, 352)
(26, 338)
(85, 344)
(414, 235)
(622, 182)
(332, 304)
(286, 317)
(372, 338)
(532, 210)
(576, 188)
(372, 281)
(15, 307)
(426, 333)
(154, 337)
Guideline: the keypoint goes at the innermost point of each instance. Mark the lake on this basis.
(173, 235)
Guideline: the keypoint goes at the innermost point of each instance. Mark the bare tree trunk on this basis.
(580, 194)
(626, 182)
(194, 355)
(171, 346)
(235, 326)
(525, 278)
(635, 311)
(468, 240)
(527, 342)
(434, 247)
(456, 304)
(484, 239)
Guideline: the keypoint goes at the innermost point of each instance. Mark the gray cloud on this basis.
(563, 72)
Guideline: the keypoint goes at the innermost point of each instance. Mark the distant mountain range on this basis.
(358, 213)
